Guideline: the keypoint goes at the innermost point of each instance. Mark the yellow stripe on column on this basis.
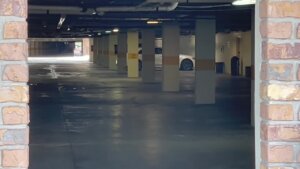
(170, 60)
(205, 64)
(133, 56)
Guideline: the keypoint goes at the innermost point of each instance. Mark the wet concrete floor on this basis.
(86, 117)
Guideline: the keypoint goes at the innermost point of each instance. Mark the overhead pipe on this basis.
(155, 6)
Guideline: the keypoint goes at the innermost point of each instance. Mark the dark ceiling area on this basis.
(84, 18)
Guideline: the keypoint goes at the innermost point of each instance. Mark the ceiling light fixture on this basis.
(107, 32)
(153, 22)
(94, 12)
(116, 30)
(243, 2)
(68, 29)
(61, 21)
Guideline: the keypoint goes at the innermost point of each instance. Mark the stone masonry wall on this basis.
(280, 92)
(14, 97)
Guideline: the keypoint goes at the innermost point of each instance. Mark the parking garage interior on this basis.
(95, 103)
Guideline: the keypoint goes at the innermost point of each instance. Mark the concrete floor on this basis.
(86, 117)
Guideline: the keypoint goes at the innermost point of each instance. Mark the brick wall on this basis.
(280, 92)
(14, 98)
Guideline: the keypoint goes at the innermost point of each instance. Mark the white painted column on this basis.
(205, 73)
(113, 41)
(148, 59)
(122, 53)
(132, 54)
(170, 70)
(252, 69)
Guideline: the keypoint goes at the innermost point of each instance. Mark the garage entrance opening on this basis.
(87, 116)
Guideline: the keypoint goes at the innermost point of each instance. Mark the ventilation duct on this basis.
(149, 5)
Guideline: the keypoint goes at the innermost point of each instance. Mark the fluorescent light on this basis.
(99, 33)
(152, 22)
(116, 30)
(90, 35)
(61, 21)
(243, 2)
(107, 32)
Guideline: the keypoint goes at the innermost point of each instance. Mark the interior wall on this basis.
(246, 51)
(44, 48)
(227, 46)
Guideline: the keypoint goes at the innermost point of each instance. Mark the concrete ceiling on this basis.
(80, 21)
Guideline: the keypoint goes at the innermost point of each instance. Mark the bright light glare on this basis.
(244, 2)
(152, 22)
(116, 30)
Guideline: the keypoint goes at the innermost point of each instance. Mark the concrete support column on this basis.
(132, 54)
(122, 53)
(252, 69)
(148, 43)
(101, 51)
(31, 48)
(113, 41)
(96, 51)
(41, 48)
(106, 52)
(170, 70)
(205, 61)
(44, 48)
(86, 46)
(35, 48)
(91, 49)
(38, 48)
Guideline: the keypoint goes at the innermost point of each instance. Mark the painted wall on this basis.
(245, 52)
(227, 46)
